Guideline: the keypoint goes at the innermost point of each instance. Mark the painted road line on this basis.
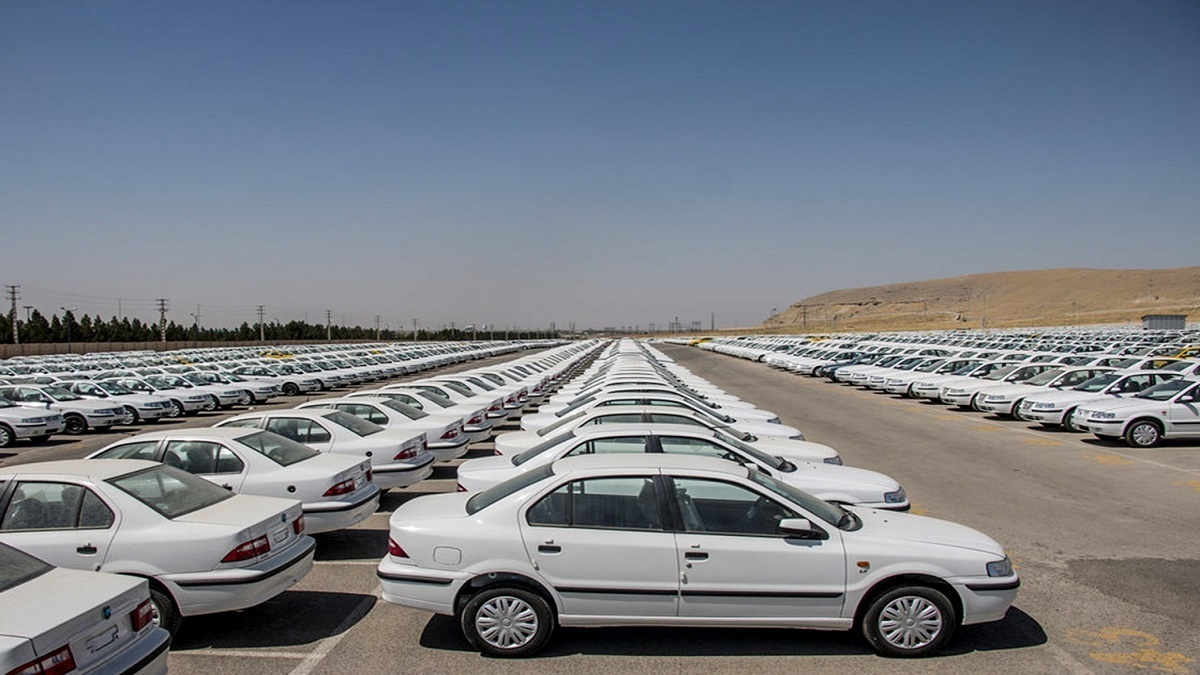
(324, 647)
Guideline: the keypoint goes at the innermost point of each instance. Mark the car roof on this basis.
(222, 433)
(109, 468)
(648, 461)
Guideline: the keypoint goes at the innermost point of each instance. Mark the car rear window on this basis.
(18, 567)
(500, 491)
(357, 425)
(169, 491)
(278, 449)
(405, 409)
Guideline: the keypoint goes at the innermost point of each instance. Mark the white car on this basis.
(139, 407)
(447, 440)
(1055, 408)
(1167, 410)
(964, 393)
(775, 439)
(20, 422)
(480, 423)
(257, 391)
(183, 401)
(834, 483)
(79, 414)
(225, 395)
(930, 387)
(672, 540)
(290, 384)
(399, 457)
(335, 491)
(474, 417)
(538, 420)
(1005, 400)
(203, 548)
(71, 621)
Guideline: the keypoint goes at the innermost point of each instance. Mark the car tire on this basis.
(290, 389)
(507, 622)
(1066, 421)
(210, 404)
(6, 436)
(166, 614)
(909, 621)
(74, 424)
(246, 399)
(1143, 433)
(1014, 412)
(174, 409)
(130, 417)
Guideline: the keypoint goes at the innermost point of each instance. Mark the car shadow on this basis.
(290, 619)
(351, 544)
(392, 499)
(1017, 630)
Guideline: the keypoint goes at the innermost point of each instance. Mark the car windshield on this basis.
(538, 449)
(5, 403)
(18, 567)
(1164, 391)
(454, 386)
(1045, 377)
(512, 485)
(114, 387)
(999, 373)
(830, 513)
(231, 377)
(1178, 366)
(170, 491)
(576, 405)
(1097, 383)
(776, 463)
(60, 394)
(159, 382)
(559, 424)
(405, 409)
(357, 425)
(282, 451)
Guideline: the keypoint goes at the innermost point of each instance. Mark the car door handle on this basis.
(695, 555)
(86, 549)
(549, 548)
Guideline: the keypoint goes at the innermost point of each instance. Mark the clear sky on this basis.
(606, 163)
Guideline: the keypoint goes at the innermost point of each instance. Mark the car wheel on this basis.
(507, 622)
(130, 417)
(6, 436)
(210, 404)
(1066, 421)
(74, 424)
(174, 409)
(246, 399)
(166, 614)
(1143, 434)
(290, 389)
(909, 621)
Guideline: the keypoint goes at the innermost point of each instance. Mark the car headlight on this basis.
(775, 420)
(1044, 406)
(1104, 416)
(1000, 568)
(797, 437)
(895, 497)
(836, 459)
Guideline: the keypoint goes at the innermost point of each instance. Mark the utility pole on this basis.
(196, 325)
(262, 310)
(68, 319)
(162, 319)
(329, 325)
(12, 315)
(414, 330)
(377, 317)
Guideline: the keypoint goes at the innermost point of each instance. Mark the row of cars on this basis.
(1131, 393)
(209, 520)
(642, 495)
(74, 395)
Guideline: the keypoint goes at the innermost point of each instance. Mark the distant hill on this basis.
(1062, 297)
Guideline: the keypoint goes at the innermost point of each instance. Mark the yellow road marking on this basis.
(917, 509)
(1194, 484)
(987, 428)
(1142, 649)
(1049, 442)
(1111, 460)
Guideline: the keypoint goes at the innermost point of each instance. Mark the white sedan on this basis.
(335, 491)
(447, 440)
(775, 439)
(139, 407)
(833, 483)
(203, 548)
(1006, 399)
(399, 457)
(1055, 408)
(1167, 410)
(669, 540)
(18, 421)
(71, 621)
(538, 420)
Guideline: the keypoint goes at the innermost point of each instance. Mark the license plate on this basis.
(279, 535)
(102, 639)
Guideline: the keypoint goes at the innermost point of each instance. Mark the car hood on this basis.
(813, 475)
(906, 528)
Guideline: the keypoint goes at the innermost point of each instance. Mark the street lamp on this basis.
(67, 320)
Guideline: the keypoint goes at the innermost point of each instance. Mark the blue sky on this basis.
(604, 163)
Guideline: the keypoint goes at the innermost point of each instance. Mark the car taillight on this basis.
(458, 487)
(55, 663)
(248, 550)
(343, 488)
(141, 616)
(478, 419)
(406, 453)
(395, 550)
(450, 435)
(370, 475)
(496, 407)
(298, 525)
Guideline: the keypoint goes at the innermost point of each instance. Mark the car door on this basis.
(209, 460)
(735, 563)
(602, 544)
(301, 430)
(63, 523)
(1183, 416)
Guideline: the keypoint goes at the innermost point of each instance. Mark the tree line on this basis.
(39, 329)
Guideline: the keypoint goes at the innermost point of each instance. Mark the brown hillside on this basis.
(1000, 300)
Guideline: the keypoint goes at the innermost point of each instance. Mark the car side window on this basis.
(665, 418)
(682, 445)
(249, 424)
(299, 430)
(405, 398)
(55, 506)
(624, 418)
(135, 450)
(609, 446)
(193, 456)
(369, 413)
(717, 507)
(619, 401)
(621, 503)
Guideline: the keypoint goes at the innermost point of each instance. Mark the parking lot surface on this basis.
(1105, 539)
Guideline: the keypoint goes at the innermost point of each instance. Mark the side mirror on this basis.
(801, 528)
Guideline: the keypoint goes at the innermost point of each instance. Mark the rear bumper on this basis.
(232, 589)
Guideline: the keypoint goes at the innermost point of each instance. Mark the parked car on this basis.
(138, 407)
(78, 413)
(1055, 408)
(399, 457)
(203, 548)
(1005, 400)
(1167, 410)
(675, 540)
(290, 384)
(447, 440)
(21, 422)
(840, 484)
(335, 491)
(183, 401)
(71, 621)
